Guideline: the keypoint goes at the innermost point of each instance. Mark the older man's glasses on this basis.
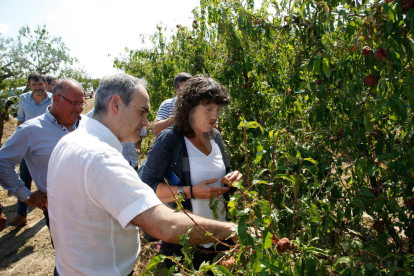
(75, 103)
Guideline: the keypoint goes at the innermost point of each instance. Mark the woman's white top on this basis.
(206, 167)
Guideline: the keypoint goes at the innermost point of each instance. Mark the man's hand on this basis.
(204, 190)
(38, 199)
(3, 220)
(231, 177)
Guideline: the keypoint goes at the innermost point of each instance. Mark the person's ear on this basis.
(56, 99)
(115, 104)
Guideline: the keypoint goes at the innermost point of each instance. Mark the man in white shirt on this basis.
(129, 150)
(96, 198)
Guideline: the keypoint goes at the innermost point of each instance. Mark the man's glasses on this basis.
(75, 103)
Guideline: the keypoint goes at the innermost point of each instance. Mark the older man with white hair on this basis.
(96, 199)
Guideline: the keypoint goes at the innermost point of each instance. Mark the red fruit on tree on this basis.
(230, 62)
(335, 139)
(246, 85)
(195, 21)
(407, 5)
(378, 226)
(380, 54)
(410, 203)
(319, 82)
(366, 51)
(236, 116)
(375, 192)
(288, 91)
(370, 80)
(264, 72)
(178, 26)
(283, 245)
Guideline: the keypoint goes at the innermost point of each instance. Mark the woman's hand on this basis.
(204, 190)
(231, 177)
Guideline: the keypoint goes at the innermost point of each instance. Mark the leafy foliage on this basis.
(320, 150)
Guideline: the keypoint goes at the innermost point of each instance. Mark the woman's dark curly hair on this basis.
(198, 89)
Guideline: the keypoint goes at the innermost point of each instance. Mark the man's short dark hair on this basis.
(36, 76)
(49, 79)
(180, 77)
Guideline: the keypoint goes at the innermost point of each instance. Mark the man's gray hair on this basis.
(180, 77)
(121, 84)
(64, 84)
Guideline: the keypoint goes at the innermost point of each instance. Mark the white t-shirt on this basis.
(93, 194)
(203, 167)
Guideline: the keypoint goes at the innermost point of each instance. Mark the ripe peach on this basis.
(366, 51)
(370, 80)
(283, 245)
(380, 54)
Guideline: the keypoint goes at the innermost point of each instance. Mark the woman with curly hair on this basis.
(200, 164)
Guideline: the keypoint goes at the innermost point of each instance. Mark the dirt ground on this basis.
(28, 250)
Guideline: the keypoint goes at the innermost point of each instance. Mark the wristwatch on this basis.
(181, 192)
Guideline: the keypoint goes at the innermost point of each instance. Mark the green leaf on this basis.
(311, 160)
(269, 265)
(244, 237)
(155, 260)
(254, 124)
(325, 66)
(267, 239)
(255, 182)
(287, 177)
(264, 204)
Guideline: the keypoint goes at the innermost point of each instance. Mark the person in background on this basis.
(34, 141)
(31, 105)
(166, 110)
(50, 83)
(129, 150)
(96, 199)
(201, 167)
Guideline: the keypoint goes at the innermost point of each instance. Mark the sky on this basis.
(94, 29)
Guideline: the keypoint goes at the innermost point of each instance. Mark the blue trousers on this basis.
(27, 179)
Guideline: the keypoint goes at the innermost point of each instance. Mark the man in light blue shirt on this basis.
(166, 110)
(31, 104)
(35, 140)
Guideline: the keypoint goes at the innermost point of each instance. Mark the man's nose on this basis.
(145, 121)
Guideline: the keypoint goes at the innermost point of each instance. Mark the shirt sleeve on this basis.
(159, 157)
(11, 154)
(116, 188)
(162, 111)
(20, 112)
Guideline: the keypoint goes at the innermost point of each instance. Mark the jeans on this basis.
(27, 179)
